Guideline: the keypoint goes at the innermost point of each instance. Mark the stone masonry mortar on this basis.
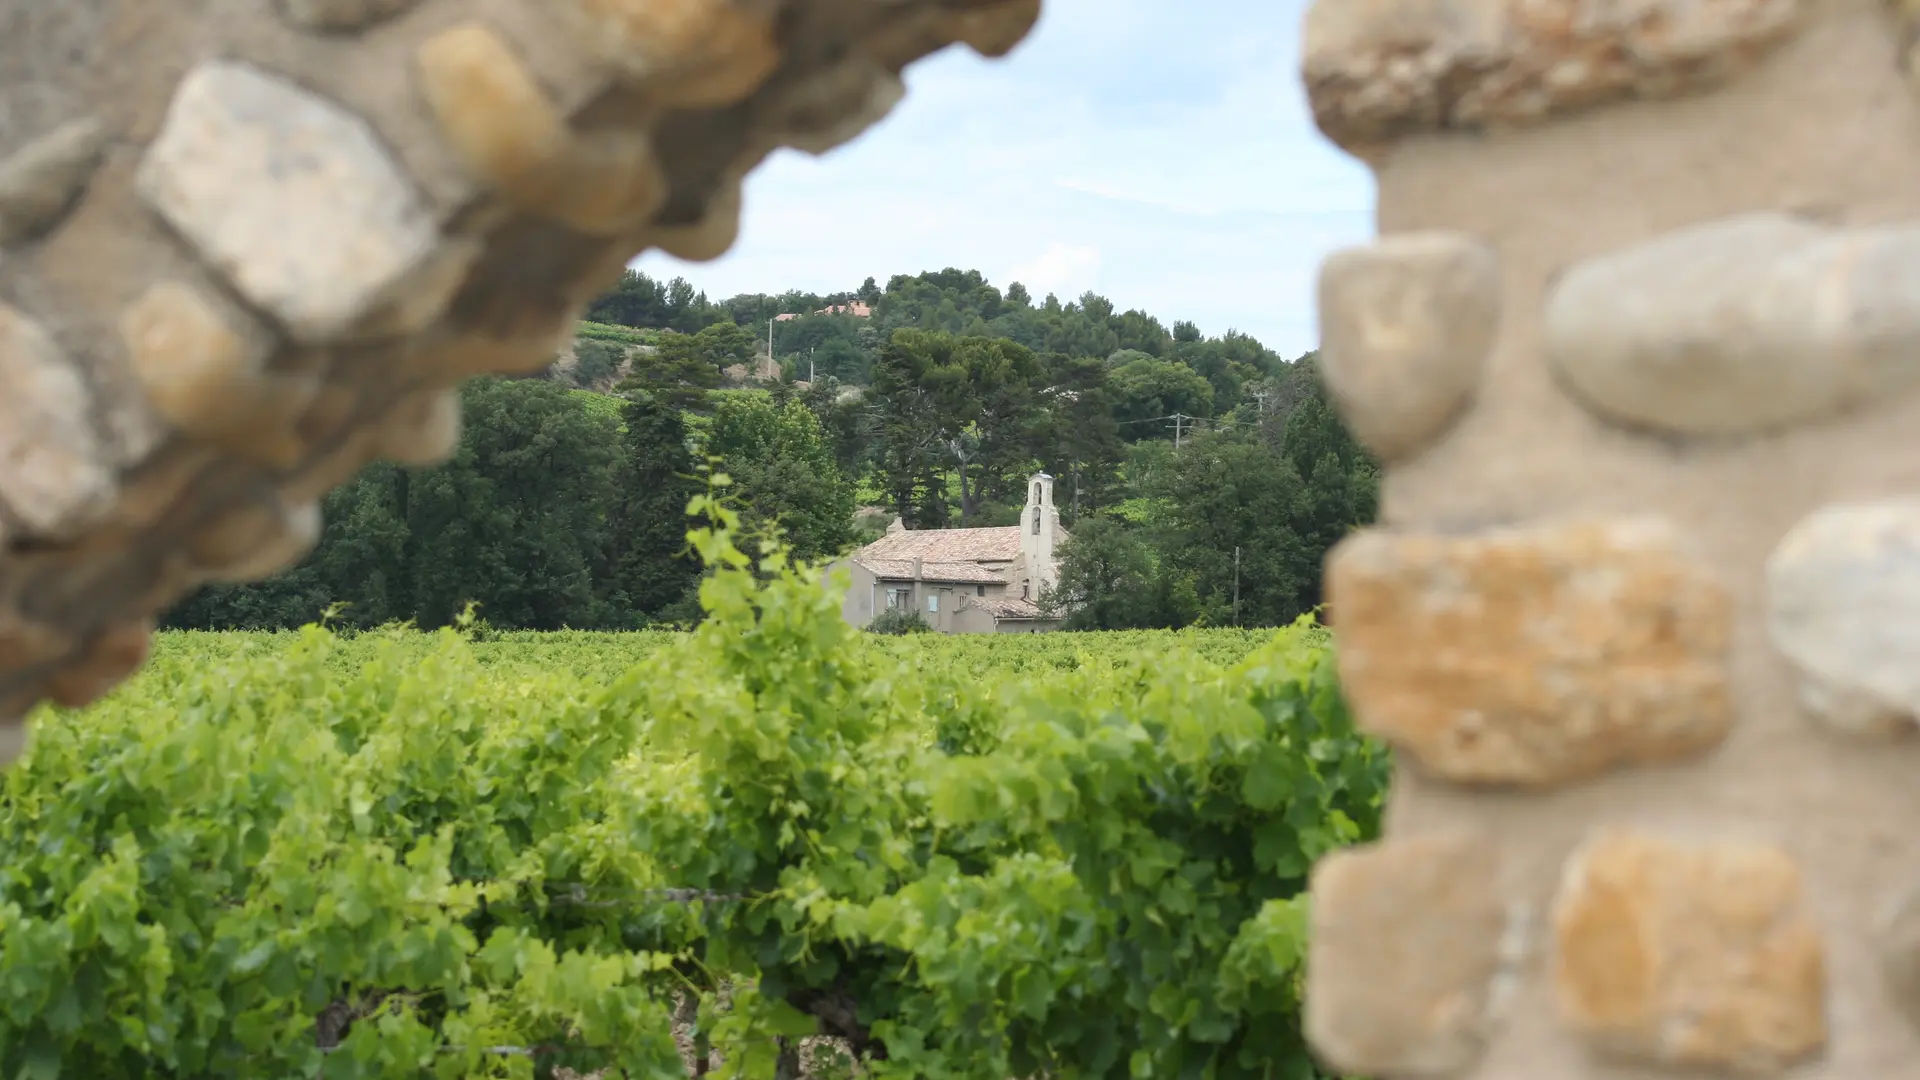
(1640, 345)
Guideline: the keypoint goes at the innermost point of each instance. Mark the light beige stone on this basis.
(1405, 328)
(495, 113)
(290, 196)
(424, 429)
(417, 301)
(462, 356)
(1740, 325)
(203, 367)
(1379, 69)
(41, 180)
(688, 53)
(54, 475)
(1532, 656)
(1409, 942)
(333, 465)
(1843, 606)
(1689, 956)
(256, 541)
(708, 238)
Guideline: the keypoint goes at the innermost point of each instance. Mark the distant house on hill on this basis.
(963, 581)
(856, 309)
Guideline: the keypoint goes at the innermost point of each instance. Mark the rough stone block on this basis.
(835, 106)
(1533, 656)
(198, 363)
(493, 110)
(423, 429)
(256, 541)
(992, 30)
(708, 238)
(689, 53)
(1739, 325)
(1689, 956)
(1843, 606)
(1406, 325)
(1411, 949)
(289, 195)
(54, 474)
(1377, 69)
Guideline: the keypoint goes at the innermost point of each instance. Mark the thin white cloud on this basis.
(1166, 161)
(1064, 269)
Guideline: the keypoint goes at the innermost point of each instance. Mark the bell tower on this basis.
(1039, 530)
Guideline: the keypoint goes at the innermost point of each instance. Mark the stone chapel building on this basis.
(963, 581)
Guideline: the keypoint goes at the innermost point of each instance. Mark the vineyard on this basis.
(398, 854)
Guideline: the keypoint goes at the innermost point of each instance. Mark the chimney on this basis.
(918, 567)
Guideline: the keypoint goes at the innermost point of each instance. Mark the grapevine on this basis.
(397, 854)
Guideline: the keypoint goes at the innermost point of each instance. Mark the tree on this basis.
(1342, 480)
(640, 301)
(1111, 579)
(1282, 506)
(1077, 438)
(517, 521)
(655, 571)
(782, 465)
(1145, 389)
(912, 436)
(843, 416)
(964, 403)
(674, 373)
(595, 361)
(724, 344)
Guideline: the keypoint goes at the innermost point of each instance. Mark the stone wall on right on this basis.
(1639, 343)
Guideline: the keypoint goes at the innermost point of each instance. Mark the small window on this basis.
(896, 599)
(933, 602)
(979, 590)
(1036, 521)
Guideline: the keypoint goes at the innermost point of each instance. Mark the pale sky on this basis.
(1158, 153)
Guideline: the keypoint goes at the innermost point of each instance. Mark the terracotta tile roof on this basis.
(948, 545)
(1008, 607)
(967, 572)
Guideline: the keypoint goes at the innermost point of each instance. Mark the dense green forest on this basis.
(1202, 478)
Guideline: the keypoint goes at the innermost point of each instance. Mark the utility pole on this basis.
(1261, 397)
(1178, 419)
(810, 349)
(769, 341)
(1236, 584)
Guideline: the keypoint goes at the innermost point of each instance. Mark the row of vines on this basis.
(462, 855)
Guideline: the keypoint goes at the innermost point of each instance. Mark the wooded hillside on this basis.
(1192, 469)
